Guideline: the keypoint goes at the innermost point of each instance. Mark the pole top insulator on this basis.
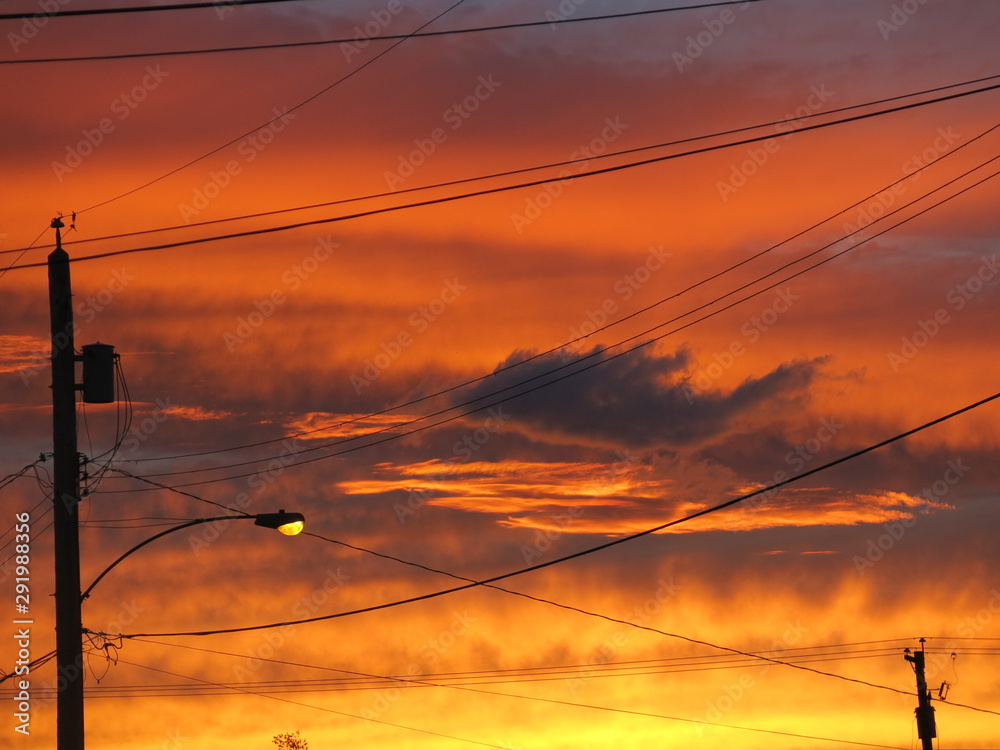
(57, 223)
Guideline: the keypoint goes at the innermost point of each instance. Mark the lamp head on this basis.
(289, 524)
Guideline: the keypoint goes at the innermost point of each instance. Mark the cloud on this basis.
(23, 353)
(640, 399)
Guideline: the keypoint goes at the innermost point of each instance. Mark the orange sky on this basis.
(333, 369)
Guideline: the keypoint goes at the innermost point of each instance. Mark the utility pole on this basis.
(66, 501)
(926, 729)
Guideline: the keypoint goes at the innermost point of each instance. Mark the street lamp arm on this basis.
(289, 524)
(140, 545)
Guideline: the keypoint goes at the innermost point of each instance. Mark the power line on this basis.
(554, 21)
(488, 191)
(62, 12)
(971, 708)
(590, 613)
(591, 550)
(621, 540)
(553, 165)
(161, 486)
(320, 708)
(423, 682)
(20, 252)
(362, 681)
(620, 621)
(592, 356)
(277, 116)
(645, 714)
(552, 350)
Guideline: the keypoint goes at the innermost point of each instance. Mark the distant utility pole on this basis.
(66, 501)
(926, 729)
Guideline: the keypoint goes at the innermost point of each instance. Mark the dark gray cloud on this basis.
(639, 399)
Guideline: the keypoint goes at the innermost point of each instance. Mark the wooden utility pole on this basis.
(926, 729)
(66, 501)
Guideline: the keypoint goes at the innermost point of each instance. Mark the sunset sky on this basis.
(474, 302)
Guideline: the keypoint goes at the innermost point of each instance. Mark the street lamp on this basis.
(97, 370)
(70, 704)
(288, 524)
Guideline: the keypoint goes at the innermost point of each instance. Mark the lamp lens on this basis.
(291, 529)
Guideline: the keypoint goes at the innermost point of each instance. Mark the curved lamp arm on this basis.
(286, 523)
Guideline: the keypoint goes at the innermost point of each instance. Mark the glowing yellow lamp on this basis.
(289, 524)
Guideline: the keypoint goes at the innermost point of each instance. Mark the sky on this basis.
(474, 303)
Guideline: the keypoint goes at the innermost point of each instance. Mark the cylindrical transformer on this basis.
(98, 373)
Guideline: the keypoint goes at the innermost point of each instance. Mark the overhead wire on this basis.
(356, 681)
(597, 548)
(43, 484)
(124, 411)
(551, 22)
(120, 9)
(774, 124)
(495, 190)
(645, 714)
(600, 356)
(243, 688)
(540, 354)
(10, 478)
(20, 252)
(590, 613)
(38, 661)
(277, 116)
(373, 719)
(579, 610)
(611, 709)
(587, 612)
(161, 486)
(632, 315)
